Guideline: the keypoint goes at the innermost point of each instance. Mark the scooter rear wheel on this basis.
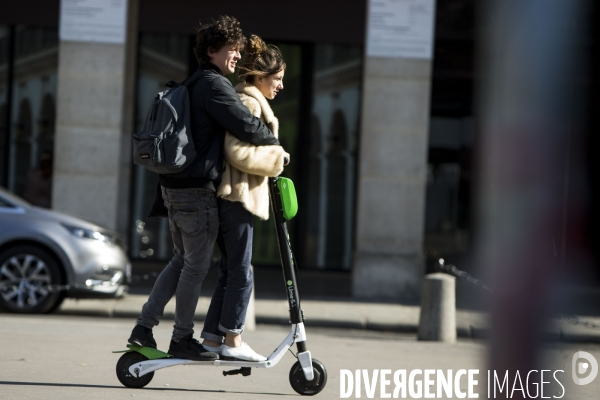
(305, 387)
(125, 377)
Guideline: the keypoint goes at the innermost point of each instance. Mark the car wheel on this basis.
(25, 273)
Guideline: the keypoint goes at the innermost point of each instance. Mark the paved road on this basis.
(62, 357)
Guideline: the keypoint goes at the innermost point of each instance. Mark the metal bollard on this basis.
(438, 308)
(250, 324)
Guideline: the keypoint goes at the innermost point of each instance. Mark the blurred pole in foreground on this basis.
(530, 60)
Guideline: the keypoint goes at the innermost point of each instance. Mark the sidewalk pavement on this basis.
(335, 314)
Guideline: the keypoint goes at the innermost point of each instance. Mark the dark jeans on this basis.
(227, 311)
(194, 223)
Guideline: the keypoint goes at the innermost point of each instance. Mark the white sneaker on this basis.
(243, 352)
(217, 350)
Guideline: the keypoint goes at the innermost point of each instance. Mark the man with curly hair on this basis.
(190, 195)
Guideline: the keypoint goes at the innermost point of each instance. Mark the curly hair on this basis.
(259, 59)
(213, 36)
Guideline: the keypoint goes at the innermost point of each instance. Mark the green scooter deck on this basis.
(149, 352)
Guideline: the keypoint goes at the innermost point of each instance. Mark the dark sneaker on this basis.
(189, 348)
(142, 336)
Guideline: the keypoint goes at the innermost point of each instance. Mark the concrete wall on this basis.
(392, 176)
(93, 129)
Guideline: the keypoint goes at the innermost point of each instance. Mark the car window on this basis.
(5, 204)
(11, 199)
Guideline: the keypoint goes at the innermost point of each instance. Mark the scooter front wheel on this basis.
(125, 377)
(305, 387)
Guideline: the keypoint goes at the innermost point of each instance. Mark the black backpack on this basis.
(165, 144)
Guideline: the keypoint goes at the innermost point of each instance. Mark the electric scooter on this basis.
(308, 376)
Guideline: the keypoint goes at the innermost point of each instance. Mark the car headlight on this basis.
(91, 234)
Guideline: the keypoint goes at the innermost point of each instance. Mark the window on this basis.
(5, 38)
(162, 58)
(286, 107)
(328, 217)
(452, 133)
(5, 204)
(318, 113)
(28, 73)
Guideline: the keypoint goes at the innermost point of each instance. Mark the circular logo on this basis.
(581, 368)
(289, 283)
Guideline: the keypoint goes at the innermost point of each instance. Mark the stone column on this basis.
(392, 176)
(94, 124)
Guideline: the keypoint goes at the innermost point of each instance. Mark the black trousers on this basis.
(227, 311)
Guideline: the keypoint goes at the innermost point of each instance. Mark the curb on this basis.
(568, 334)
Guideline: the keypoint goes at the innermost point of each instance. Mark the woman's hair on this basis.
(223, 31)
(260, 60)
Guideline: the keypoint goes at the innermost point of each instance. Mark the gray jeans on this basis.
(194, 224)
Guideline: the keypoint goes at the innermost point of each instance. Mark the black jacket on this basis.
(216, 108)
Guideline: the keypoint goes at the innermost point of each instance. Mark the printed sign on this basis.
(102, 21)
(401, 28)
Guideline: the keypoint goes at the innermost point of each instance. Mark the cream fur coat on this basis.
(248, 166)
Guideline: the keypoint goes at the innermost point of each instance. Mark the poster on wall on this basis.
(401, 29)
(100, 21)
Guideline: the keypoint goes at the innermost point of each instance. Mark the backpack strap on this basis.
(192, 79)
(187, 82)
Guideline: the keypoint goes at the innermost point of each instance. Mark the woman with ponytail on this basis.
(242, 193)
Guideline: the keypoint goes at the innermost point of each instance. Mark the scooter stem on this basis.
(285, 251)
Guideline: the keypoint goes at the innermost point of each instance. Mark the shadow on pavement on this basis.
(83, 385)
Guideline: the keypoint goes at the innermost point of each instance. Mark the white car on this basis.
(46, 256)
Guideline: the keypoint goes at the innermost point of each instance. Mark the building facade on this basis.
(381, 147)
